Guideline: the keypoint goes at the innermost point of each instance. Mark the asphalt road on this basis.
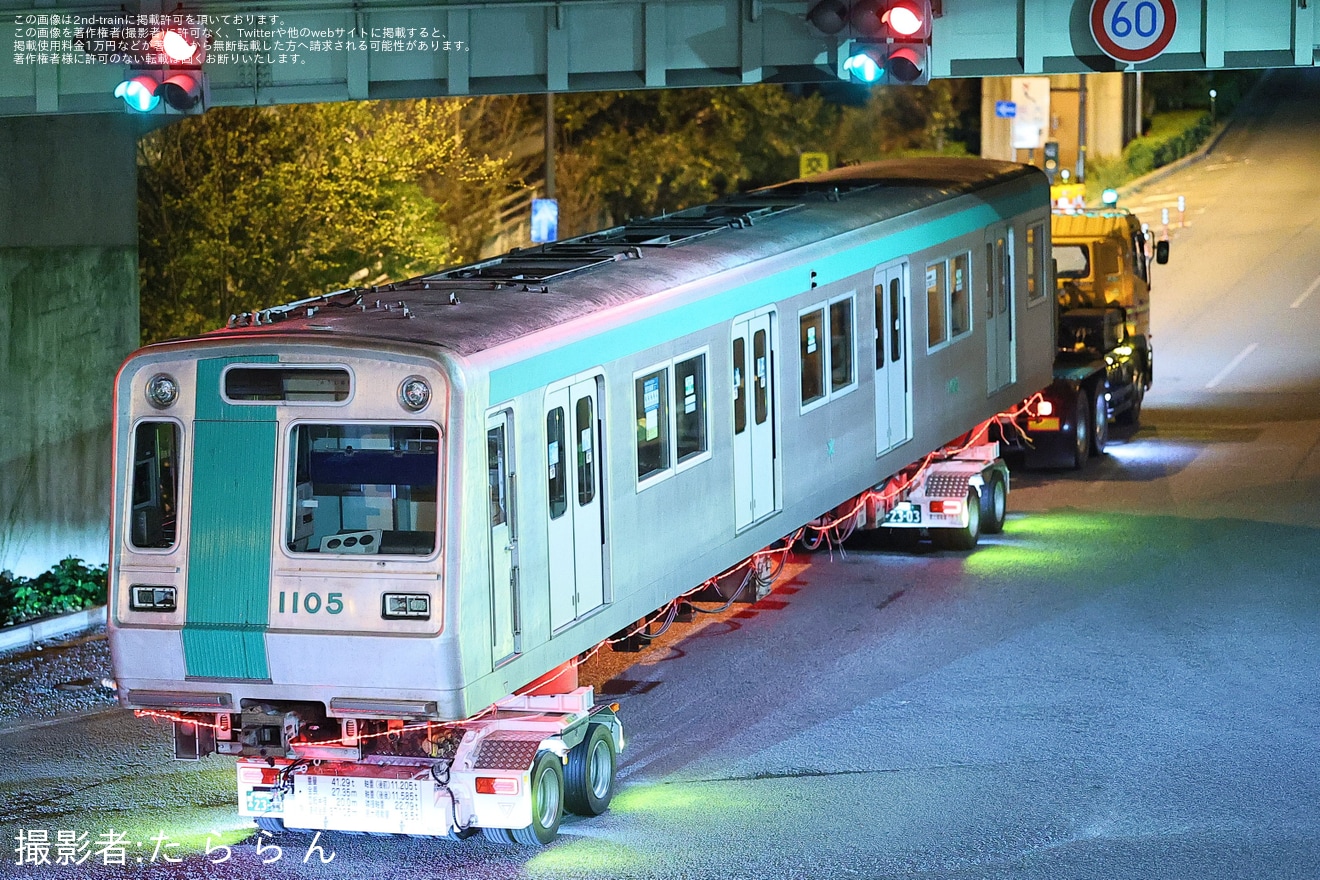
(1123, 685)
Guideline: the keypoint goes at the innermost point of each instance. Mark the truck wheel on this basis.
(270, 824)
(1081, 422)
(589, 776)
(502, 836)
(547, 782)
(1099, 421)
(966, 537)
(994, 504)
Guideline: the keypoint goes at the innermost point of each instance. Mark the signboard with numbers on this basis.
(1132, 31)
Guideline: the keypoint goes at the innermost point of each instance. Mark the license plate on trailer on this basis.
(1050, 424)
(904, 514)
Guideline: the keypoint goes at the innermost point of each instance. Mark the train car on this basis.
(359, 540)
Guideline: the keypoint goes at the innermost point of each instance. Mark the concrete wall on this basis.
(68, 317)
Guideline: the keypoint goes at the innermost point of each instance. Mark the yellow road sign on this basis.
(813, 163)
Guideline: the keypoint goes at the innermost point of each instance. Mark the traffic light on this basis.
(887, 41)
(167, 68)
(1052, 160)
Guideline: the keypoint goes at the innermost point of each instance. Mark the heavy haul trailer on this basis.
(359, 540)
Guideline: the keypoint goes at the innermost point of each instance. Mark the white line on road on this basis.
(1310, 290)
(1223, 374)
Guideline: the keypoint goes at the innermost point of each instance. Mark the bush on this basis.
(1171, 136)
(68, 586)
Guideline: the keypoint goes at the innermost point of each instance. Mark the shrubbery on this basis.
(69, 586)
(1171, 136)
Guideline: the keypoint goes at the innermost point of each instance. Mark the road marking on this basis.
(1223, 374)
(1310, 290)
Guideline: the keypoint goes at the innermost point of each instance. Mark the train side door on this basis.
(893, 386)
(754, 478)
(576, 508)
(505, 621)
(1000, 311)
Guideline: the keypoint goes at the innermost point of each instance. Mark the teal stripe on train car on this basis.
(508, 382)
(233, 491)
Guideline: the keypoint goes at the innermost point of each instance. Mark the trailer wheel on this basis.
(547, 801)
(966, 537)
(1081, 423)
(1099, 420)
(270, 824)
(589, 776)
(501, 836)
(994, 504)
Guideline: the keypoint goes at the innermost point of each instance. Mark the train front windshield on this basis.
(363, 489)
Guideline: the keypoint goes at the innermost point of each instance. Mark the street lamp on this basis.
(1213, 95)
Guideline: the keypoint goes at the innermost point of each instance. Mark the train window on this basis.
(296, 384)
(760, 376)
(739, 385)
(363, 489)
(895, 321)
(879, 326)
(1006, 261)
(153, 523)
(652, 400)
(960, 301)
(690, 407)
(937, 318)
(556, 462)
(842, 374)
(585, 425)
(495, 470)
(990, 275)
(1035, 262)
(811, 326)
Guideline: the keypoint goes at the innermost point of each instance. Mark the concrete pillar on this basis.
(68, 317)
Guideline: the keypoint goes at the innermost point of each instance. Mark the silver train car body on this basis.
(606, 422)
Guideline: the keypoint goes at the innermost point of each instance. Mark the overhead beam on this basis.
(522, 46)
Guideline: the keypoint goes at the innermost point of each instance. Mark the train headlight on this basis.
(406, 606)
(162, 390)
(147, 598)
(414, 393)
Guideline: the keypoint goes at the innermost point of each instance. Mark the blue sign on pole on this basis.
(545, 220)
(1005, 109)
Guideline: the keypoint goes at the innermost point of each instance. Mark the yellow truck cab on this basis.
(1102, 258)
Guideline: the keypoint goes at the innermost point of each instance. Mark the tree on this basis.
(243, 208)
(639, 153)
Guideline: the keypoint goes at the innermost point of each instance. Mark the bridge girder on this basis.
(525, 46)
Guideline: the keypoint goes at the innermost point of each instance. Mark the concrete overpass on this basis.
(68, 228)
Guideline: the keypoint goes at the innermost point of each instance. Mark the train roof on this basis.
(478, 306)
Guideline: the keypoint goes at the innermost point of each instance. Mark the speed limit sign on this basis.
(1133, 30)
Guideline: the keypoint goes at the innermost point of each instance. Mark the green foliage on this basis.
(631, 154)
(1171, 136)
(247, 207)
(901, 121)
(68, 586)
